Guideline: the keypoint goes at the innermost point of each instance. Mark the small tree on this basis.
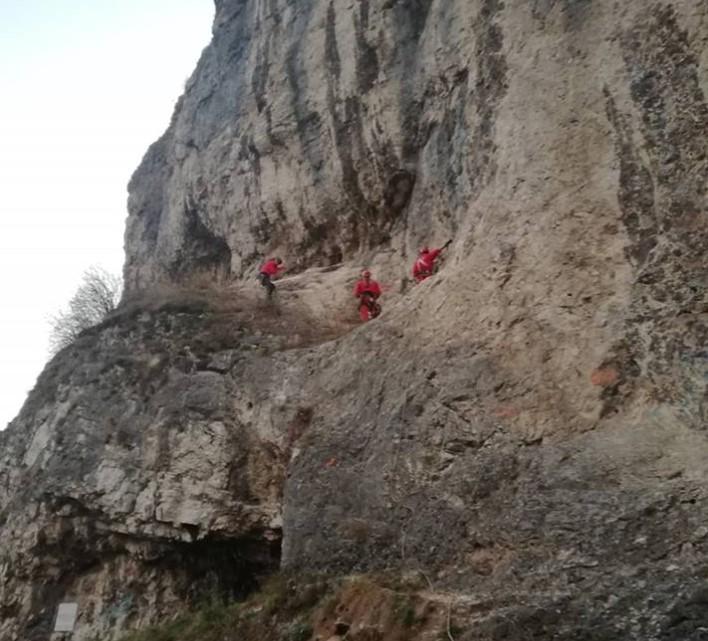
(96, 297)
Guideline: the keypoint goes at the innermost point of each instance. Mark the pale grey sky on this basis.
(86, 87)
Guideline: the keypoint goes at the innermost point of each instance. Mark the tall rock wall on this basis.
(527, 427)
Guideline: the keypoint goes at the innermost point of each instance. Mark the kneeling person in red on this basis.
(424, 266)
(367, 291)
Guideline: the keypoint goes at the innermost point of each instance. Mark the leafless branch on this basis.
(96, 297)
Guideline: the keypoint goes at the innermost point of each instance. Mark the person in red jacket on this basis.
(268, 271)
(424, 265)
(367, 291)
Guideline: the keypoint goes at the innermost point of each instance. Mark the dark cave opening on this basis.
(213, 569)
(226, 569)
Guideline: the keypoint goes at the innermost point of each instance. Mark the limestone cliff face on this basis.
(527, 427)
(139, 474)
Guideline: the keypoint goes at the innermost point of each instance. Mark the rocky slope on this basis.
(527, 428)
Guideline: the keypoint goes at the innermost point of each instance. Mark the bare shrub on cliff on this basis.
(96, 297)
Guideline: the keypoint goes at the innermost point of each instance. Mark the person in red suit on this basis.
(368, 292)
(268, 271)
(424, 266)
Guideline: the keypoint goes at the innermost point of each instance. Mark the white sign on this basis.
(66, 617)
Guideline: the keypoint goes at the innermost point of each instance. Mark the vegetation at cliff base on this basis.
(291, 608)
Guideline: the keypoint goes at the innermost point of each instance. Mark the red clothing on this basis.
(368, 309)
(271, 267)
(425, 264)
(367, 312)
(372, 287)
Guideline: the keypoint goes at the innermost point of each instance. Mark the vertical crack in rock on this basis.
(636, 188)
(463, 141)
(454, 132)
(411, 19)
(268, 27)
(664, 198)
(348, 135)
(367, 64)
(666, 90)
(309, 126)
(490, 88)
(261, 73)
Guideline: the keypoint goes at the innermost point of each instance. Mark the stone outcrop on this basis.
(142, 470)
(527, 427)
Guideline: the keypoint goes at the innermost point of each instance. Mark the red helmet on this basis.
(424, 249)
(366, 273)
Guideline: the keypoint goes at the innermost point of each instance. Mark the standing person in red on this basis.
(424, 265)
(367, 291)
(268, 271)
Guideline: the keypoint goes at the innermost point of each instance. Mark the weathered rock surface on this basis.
(528, 426)
(143, 469)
